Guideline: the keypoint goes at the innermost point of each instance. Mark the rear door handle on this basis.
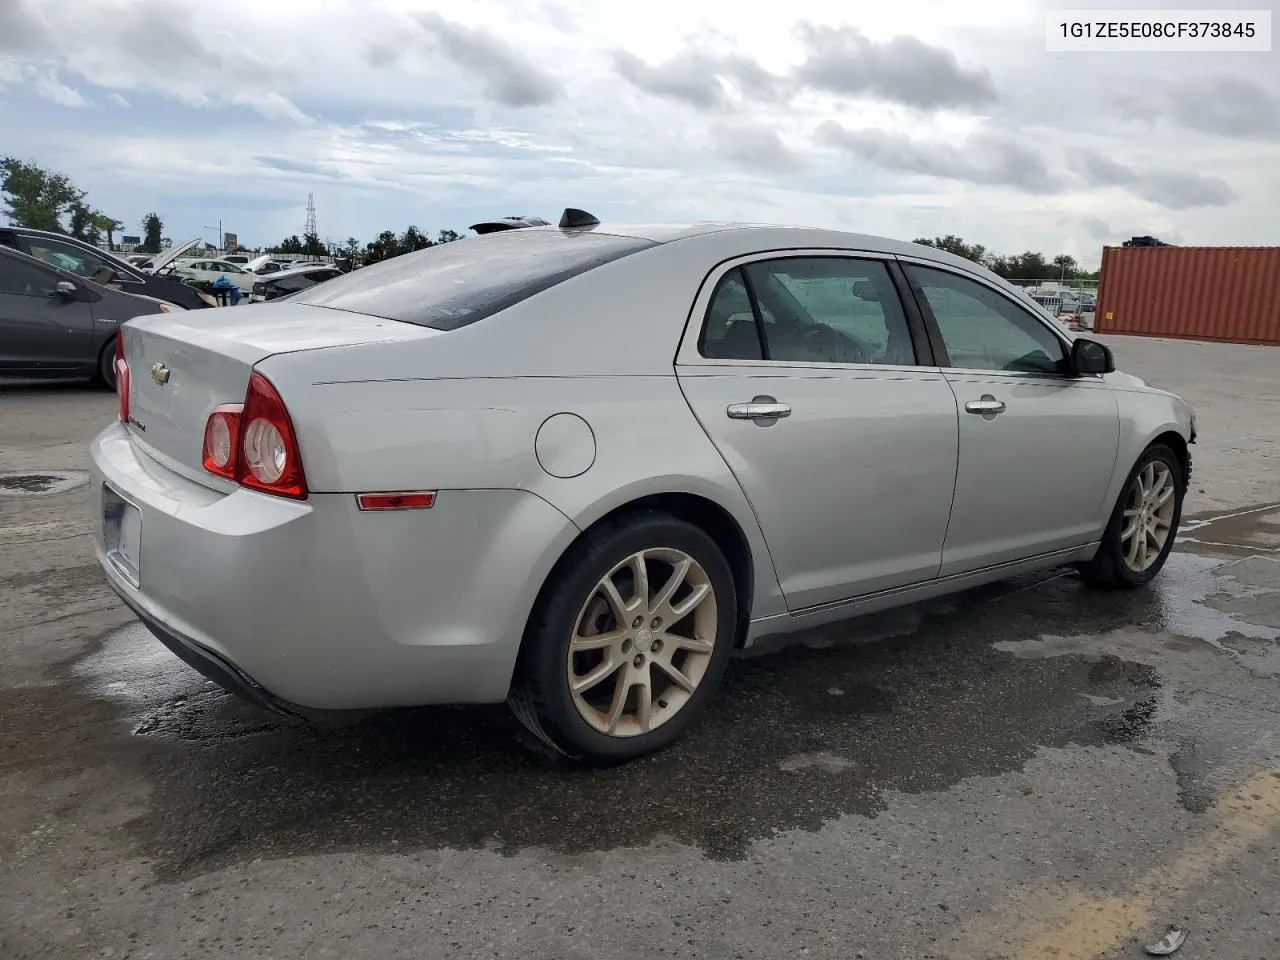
(761, 408)
(988, 406)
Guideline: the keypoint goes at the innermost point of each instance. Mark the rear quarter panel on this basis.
(482, 433)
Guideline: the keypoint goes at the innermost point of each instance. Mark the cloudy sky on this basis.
(904, 118)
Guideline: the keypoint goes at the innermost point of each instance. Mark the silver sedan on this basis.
(575, 467)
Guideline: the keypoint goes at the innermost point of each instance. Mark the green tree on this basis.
(100, 223)
(384, 247)
(352, 246)
(79, 220)
(1066, 266)
(414, 239)
(35, 197)
(312, 247)
(152, 233)
(953, 244)
(445, 236)
(290, 245)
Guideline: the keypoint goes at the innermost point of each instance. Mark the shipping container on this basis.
(1197, 293)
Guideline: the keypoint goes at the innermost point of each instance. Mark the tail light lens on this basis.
(254, 444)
(222, 440)
(122, 378)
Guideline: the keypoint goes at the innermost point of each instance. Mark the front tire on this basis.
(1144, 523)
(105, 375)
(629, 640)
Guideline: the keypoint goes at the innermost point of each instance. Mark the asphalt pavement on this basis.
(1033, 769)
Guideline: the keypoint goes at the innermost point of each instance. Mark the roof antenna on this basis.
(572, 219)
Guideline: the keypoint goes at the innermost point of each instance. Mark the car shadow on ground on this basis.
(914, 700)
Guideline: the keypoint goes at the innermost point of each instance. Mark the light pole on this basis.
(210, 227)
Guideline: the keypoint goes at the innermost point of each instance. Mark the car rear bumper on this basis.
(316, 604)
(207, 663)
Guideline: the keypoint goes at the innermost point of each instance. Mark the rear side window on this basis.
(294, 284)
(455, 284)
(821, 310)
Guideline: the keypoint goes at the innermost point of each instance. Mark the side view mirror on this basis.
(1091, 357)
(66, 290)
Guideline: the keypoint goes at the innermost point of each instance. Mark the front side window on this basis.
(983, 330)
(25, 279)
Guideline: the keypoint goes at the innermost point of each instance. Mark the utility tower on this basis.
(310, 229)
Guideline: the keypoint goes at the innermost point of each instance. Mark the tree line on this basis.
(44, 200)
(1022, 266)
(388, 244)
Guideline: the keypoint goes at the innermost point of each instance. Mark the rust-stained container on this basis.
(1197, 293)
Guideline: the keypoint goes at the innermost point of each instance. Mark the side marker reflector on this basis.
(406, 500)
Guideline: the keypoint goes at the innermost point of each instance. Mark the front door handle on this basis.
(760, 408)
(988, 406)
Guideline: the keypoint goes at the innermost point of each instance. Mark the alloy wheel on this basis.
(1148, 516)
(642, 642)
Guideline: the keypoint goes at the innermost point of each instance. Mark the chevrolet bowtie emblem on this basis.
(159, 372)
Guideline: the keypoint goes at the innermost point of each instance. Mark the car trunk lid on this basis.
(183, 368)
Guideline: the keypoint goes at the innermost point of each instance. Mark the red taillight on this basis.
(268, 457)
(122, 378)
(222, 440)
(254, 444)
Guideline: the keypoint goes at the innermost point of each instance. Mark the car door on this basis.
(39, 329)
(812, 377)
(1038, 445)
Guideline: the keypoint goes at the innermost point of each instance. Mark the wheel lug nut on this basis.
(656, 646)
(639, 660)
(626, 646)
(635, 624)
(657, 622)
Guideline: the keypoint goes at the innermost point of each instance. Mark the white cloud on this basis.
(917, 117)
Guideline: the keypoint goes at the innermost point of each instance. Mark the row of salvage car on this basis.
(62, 300)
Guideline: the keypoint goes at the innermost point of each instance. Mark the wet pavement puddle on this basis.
(910, 701)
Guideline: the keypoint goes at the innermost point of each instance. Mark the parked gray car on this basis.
(576, 467)
(286, 283)
(86, 260)
(54, 323)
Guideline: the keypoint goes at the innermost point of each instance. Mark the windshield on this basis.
(450, 285)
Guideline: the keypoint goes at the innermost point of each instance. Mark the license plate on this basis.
(122, 535)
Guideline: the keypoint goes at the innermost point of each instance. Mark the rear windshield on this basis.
(453, 284)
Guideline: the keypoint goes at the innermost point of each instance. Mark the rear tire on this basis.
(106, 373)
(628, 640)
(1143, 525)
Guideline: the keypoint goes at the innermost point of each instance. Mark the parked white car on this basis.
(211, 270)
